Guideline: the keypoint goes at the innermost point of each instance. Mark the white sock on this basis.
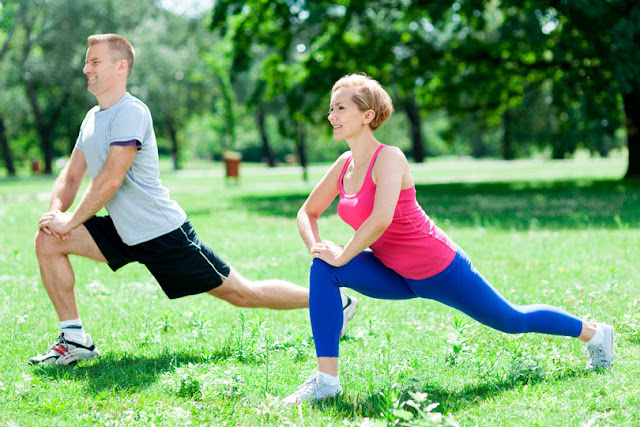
(597, 338)
(72, 330)
(328, 379)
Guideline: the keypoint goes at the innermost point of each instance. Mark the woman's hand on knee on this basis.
(329, 252)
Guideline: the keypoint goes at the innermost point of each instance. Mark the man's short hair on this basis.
(119, 47)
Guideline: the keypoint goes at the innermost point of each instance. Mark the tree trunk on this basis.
(413, 114)
(266, 148)
(6, 151)
(9, 35)
(301, 146)
(507, 139)
(173, 137)
(229, 138)
(42, 127)
(632, 119)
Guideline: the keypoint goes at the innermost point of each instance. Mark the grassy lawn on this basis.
(565, 233)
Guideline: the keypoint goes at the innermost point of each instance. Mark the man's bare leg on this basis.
(277, 294)
(55, 268)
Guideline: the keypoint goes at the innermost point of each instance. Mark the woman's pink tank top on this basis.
(413, 246)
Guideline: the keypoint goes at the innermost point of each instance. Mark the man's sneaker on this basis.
(313, 390)
(64, 352)
(349, 306)
(601, 356)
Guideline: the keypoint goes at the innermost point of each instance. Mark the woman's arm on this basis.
(317, 202)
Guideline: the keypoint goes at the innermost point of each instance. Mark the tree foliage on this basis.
(510, 77)
(587, 50)
(480, 59)
(44, 95)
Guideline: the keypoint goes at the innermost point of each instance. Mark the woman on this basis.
(410, 257)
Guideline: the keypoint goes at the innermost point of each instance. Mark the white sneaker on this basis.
(349, 306)
(601, 356)
(64, 352)
(313, 390)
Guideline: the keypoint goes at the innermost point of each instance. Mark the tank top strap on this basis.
(344, 170)
(373, 161)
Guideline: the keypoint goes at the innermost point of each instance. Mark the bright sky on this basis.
(187, 7)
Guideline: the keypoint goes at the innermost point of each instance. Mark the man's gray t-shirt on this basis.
(141, 209)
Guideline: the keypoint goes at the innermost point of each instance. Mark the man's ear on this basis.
(123, 65)
(369, 115)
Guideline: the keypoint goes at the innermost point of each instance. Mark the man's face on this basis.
(103, 72)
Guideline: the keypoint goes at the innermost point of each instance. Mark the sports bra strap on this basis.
(367, 176)
(373, 160)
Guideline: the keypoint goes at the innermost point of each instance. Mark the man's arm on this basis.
(68, 182)
(100, 191)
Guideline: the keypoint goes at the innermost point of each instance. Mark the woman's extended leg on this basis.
(462, 287)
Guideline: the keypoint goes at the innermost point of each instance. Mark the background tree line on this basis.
(482, 78)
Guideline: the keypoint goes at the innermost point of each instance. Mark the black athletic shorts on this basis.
(181, 262)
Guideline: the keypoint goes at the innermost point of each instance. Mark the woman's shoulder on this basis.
(344, 156)
(340, 161)
(392, 154)
(390, 162)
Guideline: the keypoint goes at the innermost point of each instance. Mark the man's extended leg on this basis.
(277, 294)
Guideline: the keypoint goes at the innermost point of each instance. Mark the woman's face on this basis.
(345, 116)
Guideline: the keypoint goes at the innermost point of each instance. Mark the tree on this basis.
(50, 66)
(8, 19)
(587, 49)
(313, 44)
(598, 48)
(171, 74)
(45, 58)
(469, 57)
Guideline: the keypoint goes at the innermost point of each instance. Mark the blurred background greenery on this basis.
(498, 78)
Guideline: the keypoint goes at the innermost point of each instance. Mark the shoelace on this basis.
(61, 345)
(306, 389)
(596, 355)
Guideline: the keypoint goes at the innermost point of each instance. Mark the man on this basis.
(117, 146)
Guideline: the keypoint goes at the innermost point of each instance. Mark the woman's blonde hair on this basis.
(119, 46)
(368, 94)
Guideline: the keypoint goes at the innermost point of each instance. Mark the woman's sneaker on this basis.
(601, 356)
(64, 352)
(349, 306)
(313, 390)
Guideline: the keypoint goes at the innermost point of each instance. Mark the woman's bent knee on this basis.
(322, 273)
(322, 269)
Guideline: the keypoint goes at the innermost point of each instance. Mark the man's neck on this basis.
(111, 98)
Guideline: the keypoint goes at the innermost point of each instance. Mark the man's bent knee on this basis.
(79, 242)
(46, 244)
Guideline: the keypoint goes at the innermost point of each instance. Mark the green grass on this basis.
(565, 233)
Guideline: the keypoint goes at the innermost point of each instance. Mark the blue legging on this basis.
(459, 286)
